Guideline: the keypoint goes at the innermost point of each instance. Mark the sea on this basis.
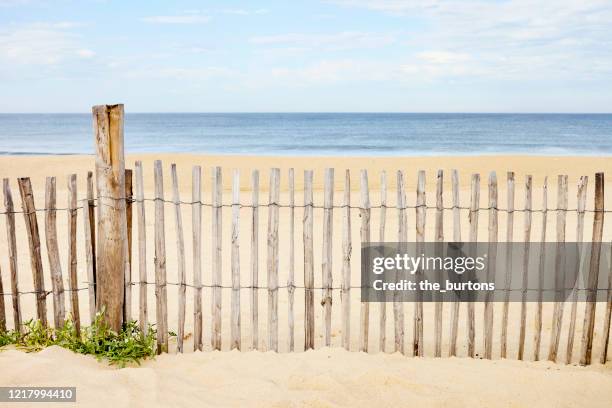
(318, 134)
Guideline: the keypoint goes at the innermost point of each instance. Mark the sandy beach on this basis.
(326, 376)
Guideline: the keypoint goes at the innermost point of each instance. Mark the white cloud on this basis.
(178, 19)
(41, 44)
(337, 41)
(442, 57)
(244, 12)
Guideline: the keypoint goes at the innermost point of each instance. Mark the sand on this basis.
(325, 377)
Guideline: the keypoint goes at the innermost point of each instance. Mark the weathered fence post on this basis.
(591, 298)
(112, 228)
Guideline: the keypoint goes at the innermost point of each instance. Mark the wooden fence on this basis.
(108, 213)
(135, 277)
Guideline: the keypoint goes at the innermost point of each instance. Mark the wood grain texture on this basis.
(161, 294)
(557, 320)
(402, 236)
(454, 327)
(142, 247)
(439, 238)
(418, 344)
(327, 261)
(365, 238)
(89, 264)
(508, 266)
(216, 257)
(537, 337)
(347, 250)
(255, 259)
(382, 338)
(591, 300)
(129, 197)
(491, 261)
(73, 281)
(235, 328)
(525, 267)
(55, 267)
(273, 260)
(180, 253)
(196, 220)
(473, 220)
(31, 222)
(12, 254)
(291, 275)
(309, 332)
(111, 215)
(91, 209)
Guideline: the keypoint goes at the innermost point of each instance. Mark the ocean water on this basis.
(318, 134)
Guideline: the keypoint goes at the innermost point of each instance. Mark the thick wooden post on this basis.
(112, 228)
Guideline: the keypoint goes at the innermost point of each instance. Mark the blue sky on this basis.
(344, 55)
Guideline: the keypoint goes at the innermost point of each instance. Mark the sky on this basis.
(307, 56)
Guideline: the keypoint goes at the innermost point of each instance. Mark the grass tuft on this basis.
(130, 345)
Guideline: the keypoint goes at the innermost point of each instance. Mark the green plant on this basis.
(130, 345)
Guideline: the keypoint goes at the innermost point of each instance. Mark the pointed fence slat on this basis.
(308, 262)
(180, 253)
(537, 337)
(346, 262)
(473, 219)
(365, 238)
(235, 341)
(273, 261)
(452, 350)
(580, 207)
(142, 248)
(91, 209)
(89, 264)
(591, 301)
(402, 236)
(381, 238)
(421, 212)
(12, 254)
(255, 260)
(291, 276)
(525, 275)
(439, 238)
(491, 260)
(161, 294)
(557, 321)
(327, 263)
(72, 253)
(129, 196)
(31, 222)
(196, 220)
(508, 277)
(55, 267)
(216, 257)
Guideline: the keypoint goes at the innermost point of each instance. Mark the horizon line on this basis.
(326, 112)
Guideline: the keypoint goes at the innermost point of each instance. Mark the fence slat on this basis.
(492, 257)
(473, 219)
(605, 339)
(580, 207)
(89, 265)
(235, 341)
(327, 262)
(72, 253)
(508, 280)
(346, 262)
(555, 332)
(402, 236)
(55, 267)
(216, 227)
(456, 238)
(417, 342)
(196, 220)
(589, 312)
(91, 208)
(255, 259)
(12, 252)
(180, 253)
(273, 201)
(381, 238)
(161, 294)
(142, 247)
(291, 277)
(29, 215)
(439, 238)
(537, 339)
(2, 307)
(525, 275)
(129, 195)
(308, 262)
(365, 238)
